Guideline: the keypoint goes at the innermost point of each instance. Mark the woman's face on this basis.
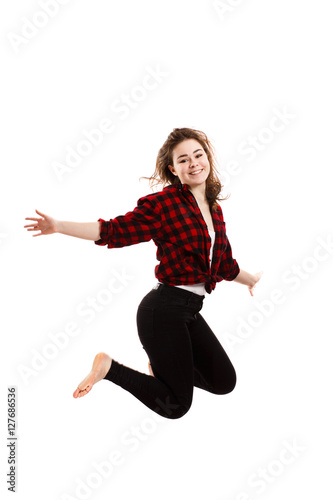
(190, 163)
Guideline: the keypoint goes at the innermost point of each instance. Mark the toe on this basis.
(76, 393)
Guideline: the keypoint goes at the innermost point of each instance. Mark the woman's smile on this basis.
(196, 172)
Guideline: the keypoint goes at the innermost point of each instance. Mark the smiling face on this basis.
(190, 163)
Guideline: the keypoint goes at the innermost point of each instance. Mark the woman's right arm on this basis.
(48, 225)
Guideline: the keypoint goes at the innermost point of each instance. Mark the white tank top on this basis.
(199, 288)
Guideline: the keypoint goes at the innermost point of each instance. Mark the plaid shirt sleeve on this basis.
(229, 267)
(142, 224)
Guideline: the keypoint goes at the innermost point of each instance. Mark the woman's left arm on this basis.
(250, 280)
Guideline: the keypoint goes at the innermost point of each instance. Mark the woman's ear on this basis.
(171, 168)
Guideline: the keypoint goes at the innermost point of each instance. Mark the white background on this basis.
(223, 73)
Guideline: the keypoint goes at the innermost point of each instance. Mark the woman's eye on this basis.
(197, 156)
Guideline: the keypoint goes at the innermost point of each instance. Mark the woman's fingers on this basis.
(35, 218)
(40, 213)
(33, 227)
(258, 276)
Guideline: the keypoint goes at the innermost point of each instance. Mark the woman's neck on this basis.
(199, 193)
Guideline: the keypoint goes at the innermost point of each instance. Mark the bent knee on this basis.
(174, 410)
(179, 414)
(228, 384)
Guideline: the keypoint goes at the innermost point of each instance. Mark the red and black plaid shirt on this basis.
(173, 220)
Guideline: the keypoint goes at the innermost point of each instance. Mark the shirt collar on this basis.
(177, 187)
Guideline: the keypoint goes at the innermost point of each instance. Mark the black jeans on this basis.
(183, 353)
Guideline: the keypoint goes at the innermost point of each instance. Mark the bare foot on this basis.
(150, 369)
(100, 367)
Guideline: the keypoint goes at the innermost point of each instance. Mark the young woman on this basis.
(186, 223)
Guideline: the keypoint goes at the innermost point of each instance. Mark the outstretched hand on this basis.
(46, 224)
(256, 277)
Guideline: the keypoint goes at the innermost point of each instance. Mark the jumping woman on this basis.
(186, 223)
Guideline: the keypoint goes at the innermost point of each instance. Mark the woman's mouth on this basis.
(196, 172)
